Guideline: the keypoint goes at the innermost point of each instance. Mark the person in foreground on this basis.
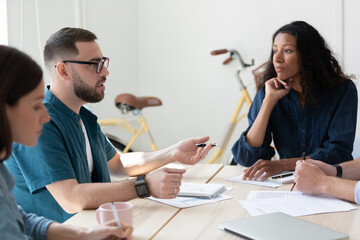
(69, 168)
(22, 115)
(307, 105)
(341, 181)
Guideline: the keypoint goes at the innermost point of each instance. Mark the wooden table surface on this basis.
(153, 220)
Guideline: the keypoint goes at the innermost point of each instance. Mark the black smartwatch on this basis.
(338, 170)
(141, 187)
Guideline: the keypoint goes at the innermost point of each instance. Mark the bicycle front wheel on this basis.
(116, 142)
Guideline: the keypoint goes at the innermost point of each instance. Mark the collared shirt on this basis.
(16, 224)
(324, 131)
(60, 154)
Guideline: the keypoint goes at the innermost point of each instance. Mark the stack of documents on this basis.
(194, 194)
(201, 190)
(292, 203)
(273, 181)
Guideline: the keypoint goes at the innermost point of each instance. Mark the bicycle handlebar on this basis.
(227, 60)
(217, 52)
(233, 54)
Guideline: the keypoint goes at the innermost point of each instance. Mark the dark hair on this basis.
(19, 75)
(62, 44)
(317, 64)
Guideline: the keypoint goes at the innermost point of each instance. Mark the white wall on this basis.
(162, 48)
(114, 23)
(199, 93)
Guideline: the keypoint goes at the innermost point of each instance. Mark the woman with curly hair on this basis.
(307, 105)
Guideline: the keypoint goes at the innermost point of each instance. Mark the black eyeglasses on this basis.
(98, 65)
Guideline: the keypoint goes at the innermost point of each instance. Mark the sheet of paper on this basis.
(185, 202)
(264, 195)
(292, 203)
(266, 183)
(273, 183)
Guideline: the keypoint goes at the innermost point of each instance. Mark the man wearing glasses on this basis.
(69, 167)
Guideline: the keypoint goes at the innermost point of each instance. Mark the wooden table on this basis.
(151, 216)
(153, 220)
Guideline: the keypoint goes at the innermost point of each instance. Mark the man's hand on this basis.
(164, 182)
(328, 169)
(309, 178)
(187, 152)
(263, 166)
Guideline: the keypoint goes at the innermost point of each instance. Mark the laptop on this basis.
(279, 226)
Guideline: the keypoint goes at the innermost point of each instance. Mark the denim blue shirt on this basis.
(324, 131)
(60, 154)
(16, 224)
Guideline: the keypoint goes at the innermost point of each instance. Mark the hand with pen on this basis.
(310, 175)
(107, 231)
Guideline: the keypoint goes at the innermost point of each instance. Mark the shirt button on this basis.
(303, 131)
(303, 144)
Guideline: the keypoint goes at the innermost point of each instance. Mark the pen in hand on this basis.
(116, 216)
(204, 145)
(303, 158)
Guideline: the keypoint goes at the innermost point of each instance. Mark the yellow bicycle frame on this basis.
(144, 128)
(219, 151)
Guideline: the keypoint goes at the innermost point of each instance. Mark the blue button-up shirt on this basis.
(60, 154)
(15, 224)
(324, 131)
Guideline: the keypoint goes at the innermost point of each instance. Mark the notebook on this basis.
(201, 190)
(279, 226)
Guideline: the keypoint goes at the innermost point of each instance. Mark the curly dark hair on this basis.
(317, 64)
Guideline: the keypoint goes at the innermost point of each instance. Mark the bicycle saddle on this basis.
(136, 102)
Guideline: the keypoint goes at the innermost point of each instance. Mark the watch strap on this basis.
(140, 177)
(338, 170)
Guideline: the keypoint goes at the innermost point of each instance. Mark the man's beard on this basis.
(85, 92)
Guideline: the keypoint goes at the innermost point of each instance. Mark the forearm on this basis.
(339, 188)
(351, 169)
(74, 197)
(288, 164)
(57, 231)
(255, 136)
(143, 162)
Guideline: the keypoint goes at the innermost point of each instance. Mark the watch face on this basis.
(142, 190)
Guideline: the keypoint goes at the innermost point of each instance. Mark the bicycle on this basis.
(126, 103)
(130, 103)
(244, 98)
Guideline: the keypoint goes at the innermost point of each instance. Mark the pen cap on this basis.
(124, 209)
